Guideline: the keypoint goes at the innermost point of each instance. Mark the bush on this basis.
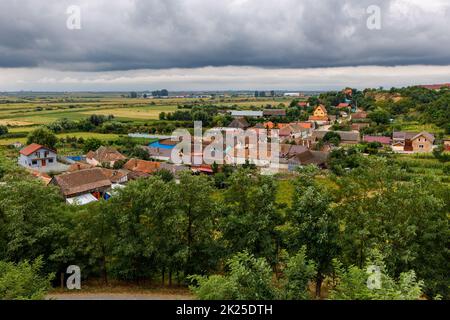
(23, 281)
(3, 130)
(249, 279)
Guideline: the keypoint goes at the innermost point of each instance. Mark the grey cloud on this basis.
(158, 34)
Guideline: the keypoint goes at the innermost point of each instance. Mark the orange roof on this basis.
(305, 125)
(269, 125)
(343, 105)
(137, 165)
(33, 148)
(282, 125)
(313, 118)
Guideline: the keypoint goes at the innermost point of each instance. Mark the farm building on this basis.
(83, 182)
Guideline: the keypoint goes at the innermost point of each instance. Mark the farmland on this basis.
(41, 111)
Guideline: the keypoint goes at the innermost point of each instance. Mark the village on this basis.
(99, 173)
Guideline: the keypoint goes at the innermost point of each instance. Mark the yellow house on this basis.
(320, 111)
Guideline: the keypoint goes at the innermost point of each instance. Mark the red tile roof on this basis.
(382, 140)
(28, 150)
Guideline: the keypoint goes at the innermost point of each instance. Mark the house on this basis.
(423, 142)
(303, 104)
(77, 166)
(137, 165)
(296, 156)
(104, 155)
(413, 142)
(343, 105)
(79, 183)
(245, 113)
(160, 154)
(293, 131)
(359, 115)
(16, 145)
(239, 123)
(116, 176)
(274, 113)
(269, 125)
(320, 115)
(37, 157)
(320, 111)
(308, 157)
(359, 126)
(347, 137)
(174, 169)
(385, 141)
(447, 144)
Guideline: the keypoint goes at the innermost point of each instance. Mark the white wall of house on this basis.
(92, 162)
(39, 159)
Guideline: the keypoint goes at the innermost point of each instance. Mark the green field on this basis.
(40, 111)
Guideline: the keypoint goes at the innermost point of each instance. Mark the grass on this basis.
(423, 166)
(415, 126)
(285, 192)
(139, 113)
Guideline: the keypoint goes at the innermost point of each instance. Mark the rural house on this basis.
(38, 157)
(274, 113)
(385, 141)
(104, 155)
(246, 113)
(320, 115)
(447, 144)
(84, 183)
(239, 123)
(413, 142)
(347, 137)
(137, 165)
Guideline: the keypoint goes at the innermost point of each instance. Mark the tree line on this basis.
(241, 239)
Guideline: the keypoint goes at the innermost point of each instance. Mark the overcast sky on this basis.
(222, 44)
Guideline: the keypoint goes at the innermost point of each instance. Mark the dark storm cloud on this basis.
(127, 34)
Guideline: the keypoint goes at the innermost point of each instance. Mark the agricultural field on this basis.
(40, 111)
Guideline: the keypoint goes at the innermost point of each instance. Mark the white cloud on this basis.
(222, 78)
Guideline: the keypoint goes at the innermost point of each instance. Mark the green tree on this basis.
(3, 130)
(356, 283)
(378, 211)
(32, 222)
(249, 278)
(91, 239)
(299, 272)
(23, 281)
(196, 217)
(312, 223)
(333, 138)
(165, 175)
(91, 144)
(144, 229)
(251, 215)
(44, 137)
(380, 116)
